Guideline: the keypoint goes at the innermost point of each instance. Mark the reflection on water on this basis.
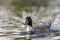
(8, 27)
(5, 38)
(4, 23)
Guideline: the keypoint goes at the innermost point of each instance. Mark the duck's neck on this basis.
(28, 31)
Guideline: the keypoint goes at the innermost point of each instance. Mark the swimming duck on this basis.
(37, 28)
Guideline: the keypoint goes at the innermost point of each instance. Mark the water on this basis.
(11, 23)
(3, 17)
(4, 23)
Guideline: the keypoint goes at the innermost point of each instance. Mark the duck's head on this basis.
(28, 21)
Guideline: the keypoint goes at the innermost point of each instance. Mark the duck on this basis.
(36, 28)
